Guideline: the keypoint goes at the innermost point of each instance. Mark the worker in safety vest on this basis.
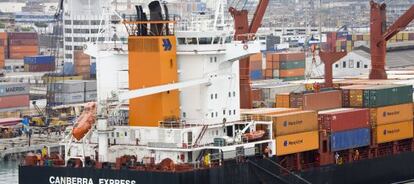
(44, 152)
(207, 161)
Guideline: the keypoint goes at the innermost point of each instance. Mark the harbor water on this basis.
(9, 172)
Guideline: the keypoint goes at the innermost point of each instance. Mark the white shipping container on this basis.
(68, 98)
(90, 96)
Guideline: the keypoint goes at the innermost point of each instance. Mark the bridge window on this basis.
(216, 40)
(205, 40)
(181, 41)
(228, 39)
(192, 41)
(358, 64)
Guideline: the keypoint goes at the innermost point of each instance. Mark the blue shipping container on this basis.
(350, 139)
(34, 60)
(256, 74)
(93, 68)
(68, 68)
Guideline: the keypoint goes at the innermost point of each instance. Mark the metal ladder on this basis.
(200, 136)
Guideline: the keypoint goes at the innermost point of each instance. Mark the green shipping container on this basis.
(385, 95)
(291, 64)
(293, 78)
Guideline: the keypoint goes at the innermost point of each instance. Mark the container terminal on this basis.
(208, 92)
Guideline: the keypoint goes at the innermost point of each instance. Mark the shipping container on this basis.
(292, 72)
(384, 95)
(90, 96)
(68, 69)
(272, 64)
(282, 100)
(26, 42)
(342, 119)
(411, 36)
(290, 56)
(354, 100)
(90, 85)
(18, 49)
(291, 64)
(256, 57)
(39, 67)
(317, 101)
(22, 35)
(391, 114)
(392, 132)
(296, 143)
(13, 89)
(349, 139)
(255, 65)
(14, 101)
(69, 98)
(21, 55)
(34, 60)
(93, 68)
(79, 55)
(260, 113)
(67, 87)
(293, 122)
(82, 69)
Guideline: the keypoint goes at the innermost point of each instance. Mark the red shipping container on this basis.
(41, 67)
(343, 119)
(14, 101)
(322, 100)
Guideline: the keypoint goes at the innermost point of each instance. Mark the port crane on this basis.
(245, 32)
(379, 35)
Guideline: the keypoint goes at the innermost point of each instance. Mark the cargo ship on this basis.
(185, 124)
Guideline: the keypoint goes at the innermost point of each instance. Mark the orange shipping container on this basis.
(393, 132)
(292, 72)
(282, 100)
(3, 35)
(78, 54)
(82, 69)
(256, 57)
(21, 55)
(294, 122)
(18, 49)
(255, 65)
(391, 114)
(249, 114)
(272, 64)
(295, 143)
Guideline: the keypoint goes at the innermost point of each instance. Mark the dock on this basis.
(16, 148)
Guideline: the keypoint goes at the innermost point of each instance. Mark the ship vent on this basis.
(145, 45)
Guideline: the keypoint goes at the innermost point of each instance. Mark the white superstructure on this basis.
(208, 71)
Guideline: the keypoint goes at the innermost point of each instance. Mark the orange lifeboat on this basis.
(254, 135)
(85, 121)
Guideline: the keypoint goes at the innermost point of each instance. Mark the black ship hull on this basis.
(254, 171)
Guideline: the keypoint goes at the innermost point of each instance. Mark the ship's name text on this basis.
(77, 180)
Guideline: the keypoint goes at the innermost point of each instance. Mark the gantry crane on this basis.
(244, 32)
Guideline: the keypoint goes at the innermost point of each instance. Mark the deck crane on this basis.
(380, 34)
(244, 32)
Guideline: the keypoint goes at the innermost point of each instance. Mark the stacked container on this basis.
(82, 64)
(14, 95)
(22, 44)
(71, 92)
(39, 63)
(93, 70)
(390, 109)
(256, 67)
(347, 128)
(295, 131)
(286, 66)
(3, 49)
